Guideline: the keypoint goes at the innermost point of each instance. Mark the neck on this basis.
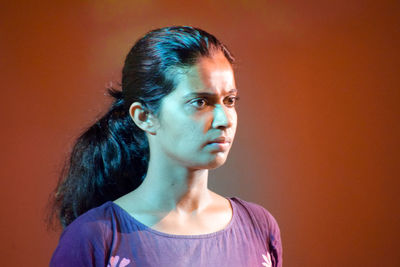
(169, 186)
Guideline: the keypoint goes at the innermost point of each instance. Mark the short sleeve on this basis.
(268, 228)
(275, 243)
(81, 244)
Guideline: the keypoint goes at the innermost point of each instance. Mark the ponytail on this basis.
(108, 161)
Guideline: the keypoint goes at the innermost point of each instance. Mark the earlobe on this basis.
(142, 118)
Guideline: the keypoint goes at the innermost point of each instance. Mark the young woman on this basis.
(135, 190)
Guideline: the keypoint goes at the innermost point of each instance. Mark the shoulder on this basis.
(258, 216)
(86, 238)
(262, 220)
(97, 219)
(255, 211)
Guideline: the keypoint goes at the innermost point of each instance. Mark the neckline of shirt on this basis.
(151, 230)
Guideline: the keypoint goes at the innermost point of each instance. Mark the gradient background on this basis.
(318, 138)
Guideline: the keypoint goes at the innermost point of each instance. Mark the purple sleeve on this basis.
(81, 244)
(275, 243)
(264, 220)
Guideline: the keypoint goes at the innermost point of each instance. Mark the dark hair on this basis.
(110, 159)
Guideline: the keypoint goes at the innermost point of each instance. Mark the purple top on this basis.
(109, 236)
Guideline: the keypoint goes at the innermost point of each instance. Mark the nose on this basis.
(222, 117)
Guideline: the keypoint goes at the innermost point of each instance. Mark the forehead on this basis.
(209, 75)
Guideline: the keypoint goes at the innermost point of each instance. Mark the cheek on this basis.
(191, 135)
(182, 135)
(233, 119)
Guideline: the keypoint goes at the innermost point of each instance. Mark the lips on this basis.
(220, 144)
(221, 140)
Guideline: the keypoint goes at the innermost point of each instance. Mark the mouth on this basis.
(221, 140)
(219, 144)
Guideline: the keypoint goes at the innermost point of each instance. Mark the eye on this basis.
(199, 103)
(230, 101)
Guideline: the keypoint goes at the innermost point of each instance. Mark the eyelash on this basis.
(235, 99)
(197, 100)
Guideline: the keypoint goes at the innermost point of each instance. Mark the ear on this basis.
(144, 119)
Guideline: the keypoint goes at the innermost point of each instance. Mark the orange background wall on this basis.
(318, 137)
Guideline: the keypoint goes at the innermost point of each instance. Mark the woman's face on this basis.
(197, 121)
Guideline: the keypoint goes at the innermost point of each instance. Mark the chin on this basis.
(216, 162)
(209, 162)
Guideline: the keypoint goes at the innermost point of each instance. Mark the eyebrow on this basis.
(205, 94)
